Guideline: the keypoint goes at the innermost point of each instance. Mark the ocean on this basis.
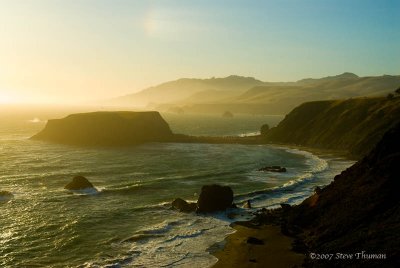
(129, 222)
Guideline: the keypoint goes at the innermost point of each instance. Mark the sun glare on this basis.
(6, 99)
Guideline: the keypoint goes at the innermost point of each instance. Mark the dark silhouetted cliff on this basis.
(359, 211)
(106, 128)
(353, 125)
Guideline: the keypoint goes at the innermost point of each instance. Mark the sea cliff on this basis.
(353, 125)
(359, 212)
(352, 222)
(107, 128)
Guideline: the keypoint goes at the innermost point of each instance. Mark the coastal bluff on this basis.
(107, 129)
(352, 125)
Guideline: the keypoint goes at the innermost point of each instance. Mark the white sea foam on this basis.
(131, 216)
(317, 164)
(182, 242)
(297, 188)
(35, 120)
(85, 191)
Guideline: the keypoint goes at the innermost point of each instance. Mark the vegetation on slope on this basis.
(353, 125)
(359, 212)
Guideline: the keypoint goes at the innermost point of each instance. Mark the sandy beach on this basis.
(275, 250)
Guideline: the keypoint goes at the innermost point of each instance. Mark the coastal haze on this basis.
(199, 133)
(67, 52)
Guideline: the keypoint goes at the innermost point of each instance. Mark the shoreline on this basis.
(274, 250)
(320, 152)
(277, 248)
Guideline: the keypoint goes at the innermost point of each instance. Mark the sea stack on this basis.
(214, 198)
(107, 129)
(80, 183)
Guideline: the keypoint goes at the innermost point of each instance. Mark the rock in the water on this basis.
(254, 241)
(5, 195)
(184, 206)
(214, 198)
(227, 114)
(273, 169)
(247, 204)
(79, 183)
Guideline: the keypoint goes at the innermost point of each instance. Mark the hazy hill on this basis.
(341, 86)
(280, 98)
(179, 90)
(354, 124)
(248, 95)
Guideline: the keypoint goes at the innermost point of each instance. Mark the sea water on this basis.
(129, 221)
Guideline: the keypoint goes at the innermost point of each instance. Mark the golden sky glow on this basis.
(74, 51)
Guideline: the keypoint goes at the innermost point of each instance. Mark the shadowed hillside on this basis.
(359, 212)
(354, 125)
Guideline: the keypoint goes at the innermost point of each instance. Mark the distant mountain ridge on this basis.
(178, 90)
(239, 94)
(345, 75)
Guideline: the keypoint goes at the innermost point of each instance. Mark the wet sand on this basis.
(275, 252)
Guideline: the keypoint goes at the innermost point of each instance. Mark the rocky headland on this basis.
(352, 125)
(123, 129)
(353, 222)
(107, 129)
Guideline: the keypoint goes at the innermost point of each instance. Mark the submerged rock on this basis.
(184, 206)
(5, 195)
(214, 198)
(79, 183)
(273, 169)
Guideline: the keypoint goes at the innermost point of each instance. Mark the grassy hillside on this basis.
(192, 89)
(354, 125)
(280, 98)
(341, 86)
(248, 95)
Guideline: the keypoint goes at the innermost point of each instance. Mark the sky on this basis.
(76, 51)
